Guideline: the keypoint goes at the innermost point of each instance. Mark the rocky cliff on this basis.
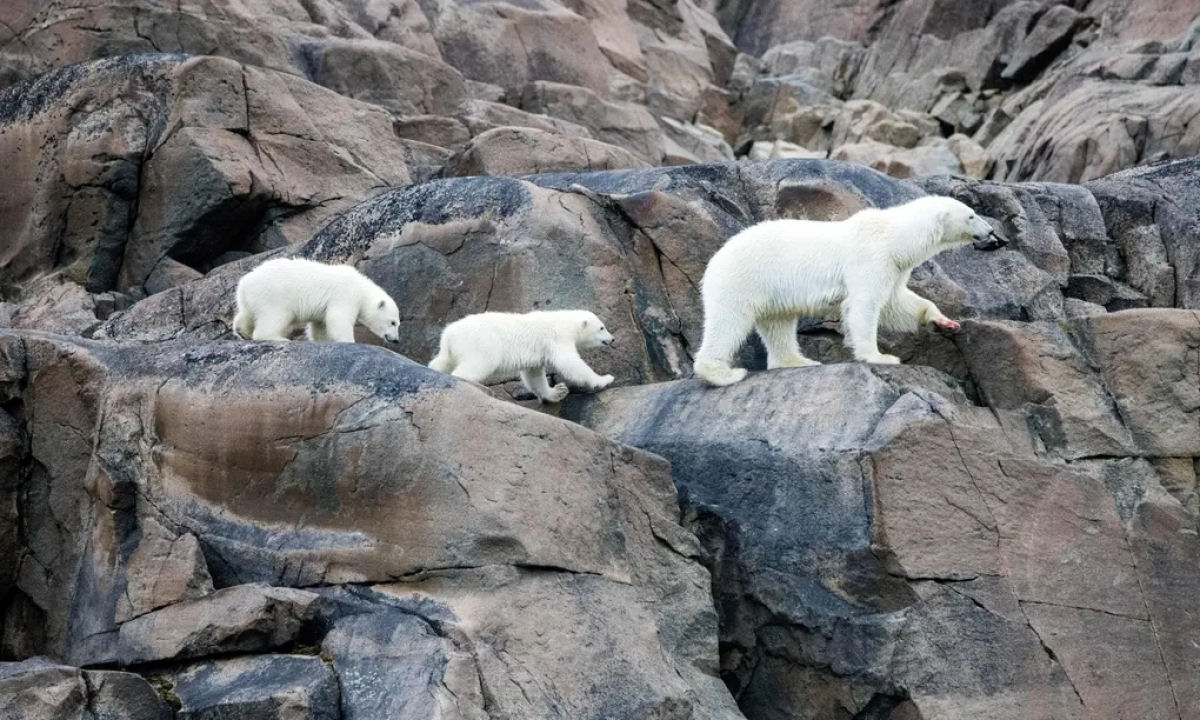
(194, 526)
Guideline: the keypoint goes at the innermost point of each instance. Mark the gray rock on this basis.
(38, 689)
(243, 618)
(351, 490)
(266, 687)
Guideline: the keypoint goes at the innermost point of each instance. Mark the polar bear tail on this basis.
(442, 362)
(715, 372)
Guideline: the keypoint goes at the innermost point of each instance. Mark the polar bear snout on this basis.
(988, 241)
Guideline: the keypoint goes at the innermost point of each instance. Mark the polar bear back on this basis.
(305, 287)
(514, 340)
(803, 265)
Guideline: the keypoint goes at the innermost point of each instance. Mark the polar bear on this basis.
(277, 297)
(496, 346)
(771, 273)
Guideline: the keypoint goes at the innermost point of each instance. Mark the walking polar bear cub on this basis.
(767, 276)
(496, 346)
(281, 295)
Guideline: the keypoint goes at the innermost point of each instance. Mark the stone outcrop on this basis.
(345, 501)
(195, 526)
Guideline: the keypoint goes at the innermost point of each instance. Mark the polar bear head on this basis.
(381, 316)
(589, 330)
(959, 225)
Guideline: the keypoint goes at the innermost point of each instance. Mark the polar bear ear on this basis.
(585, 322)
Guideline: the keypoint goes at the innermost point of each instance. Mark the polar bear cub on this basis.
(281, 295)
(495, 346)
(768, 275)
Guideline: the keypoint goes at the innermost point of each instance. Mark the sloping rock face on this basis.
(1052, 90)
(632, 246)
(886, 543)
(341, 498)
(1047, 89)
(141, 168)
(1003, 528)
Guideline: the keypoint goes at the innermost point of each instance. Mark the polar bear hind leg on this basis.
(779, 337)
(443, 362)
(535, 381)
(272, 325)
(243, 324)
(317, 332)
(476, 369)
(724, 333)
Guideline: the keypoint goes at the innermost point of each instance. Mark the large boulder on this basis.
(145, 160)
(882, 541)
(310, 465)
(37, 689)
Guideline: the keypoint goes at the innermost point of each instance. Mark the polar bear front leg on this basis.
(339, 323)
(860, 323)
(575, 371)
(535, 381)
(906, 311)
(779, 337)
(317, 333)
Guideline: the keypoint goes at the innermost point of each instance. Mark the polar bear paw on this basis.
(948, 325)
(718, 373)
(603, 382)
(881, 359)
(799, 361)
(557, 393)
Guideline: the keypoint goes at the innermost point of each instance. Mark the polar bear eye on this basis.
(394, 323)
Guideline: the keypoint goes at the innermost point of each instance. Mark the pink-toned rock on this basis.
(521, 151)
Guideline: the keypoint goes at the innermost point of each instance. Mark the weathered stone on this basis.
(321, 479)
(511, 46)
(1048, 38)
(385, 74)
(401, 665)
(267, 687)
(520, 151)
(123, 696)
(37, 689)
(243, 618)
(164, 569)
(900, 162)
(183, 158)
(975, 585)
(623, 124)
(686, 143)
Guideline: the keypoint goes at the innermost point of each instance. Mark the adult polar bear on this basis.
(497, 346)
(767, 276)
(281, 295)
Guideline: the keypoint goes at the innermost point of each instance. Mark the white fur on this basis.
(497, 346)
(767, 276)
(282, 295)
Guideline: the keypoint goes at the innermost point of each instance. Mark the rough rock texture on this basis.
(197, 527)
(1051, 89)
(879, 541)
(542, 590)
(967, 524)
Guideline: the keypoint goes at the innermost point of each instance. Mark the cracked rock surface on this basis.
(197, 527)
(1006, 525)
